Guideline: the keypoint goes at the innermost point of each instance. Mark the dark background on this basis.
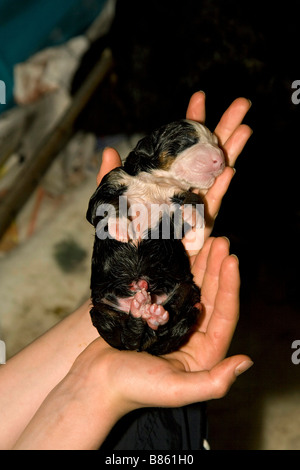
(166, 50)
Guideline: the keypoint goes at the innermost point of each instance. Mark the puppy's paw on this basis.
(159, 316)
(140, 305)
(154, 314)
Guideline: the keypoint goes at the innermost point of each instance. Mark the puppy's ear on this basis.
(97, 198)
(147, 145)
(111, 187)
(92, 208)
(144, 156)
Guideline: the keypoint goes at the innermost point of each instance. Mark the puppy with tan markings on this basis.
(143, 294)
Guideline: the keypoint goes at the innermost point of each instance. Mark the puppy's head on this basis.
(186, 149)
(198, 165)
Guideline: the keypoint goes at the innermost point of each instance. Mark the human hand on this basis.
(232, 137)
(196, 372)
(118, 382)
(104, 384)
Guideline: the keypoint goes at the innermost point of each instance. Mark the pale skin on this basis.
(68, 388)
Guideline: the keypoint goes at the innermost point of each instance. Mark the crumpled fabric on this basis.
(160, 429)
(48, 70)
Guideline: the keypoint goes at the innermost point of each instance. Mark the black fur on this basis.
(165, 266)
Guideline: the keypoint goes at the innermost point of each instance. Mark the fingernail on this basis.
(227, 239)
(201, 91)
(235, 257)
(250, 102)
(243, 366)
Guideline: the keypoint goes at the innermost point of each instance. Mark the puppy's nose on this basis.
(218, 161)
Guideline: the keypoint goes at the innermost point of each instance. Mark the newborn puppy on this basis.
(143, 294)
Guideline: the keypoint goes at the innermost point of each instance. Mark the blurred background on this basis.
(87, 74)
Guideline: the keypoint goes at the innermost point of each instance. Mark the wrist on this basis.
(77, 414)
(91, 379)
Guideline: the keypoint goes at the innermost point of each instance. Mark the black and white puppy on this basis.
(143, 294)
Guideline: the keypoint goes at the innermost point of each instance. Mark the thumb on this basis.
(192, 387)
(110, 160)
(224, 374)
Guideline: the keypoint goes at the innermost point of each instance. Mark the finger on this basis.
(110, 160)
(231, 119)
(236, 142)
(225, 315)
(193, 242)
(211, 280)
(213, 198)
(200, 262)
(196, 107)
(187, 387)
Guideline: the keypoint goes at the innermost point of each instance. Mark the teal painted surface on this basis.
(27, 26)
